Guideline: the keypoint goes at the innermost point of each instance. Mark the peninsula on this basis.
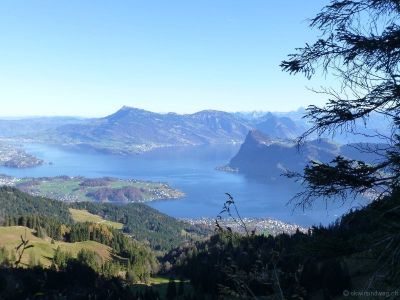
(14, 157)
(105, 189)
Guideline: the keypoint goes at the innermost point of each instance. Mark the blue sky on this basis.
(88, 58)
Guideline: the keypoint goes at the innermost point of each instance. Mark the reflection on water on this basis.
(190, 169)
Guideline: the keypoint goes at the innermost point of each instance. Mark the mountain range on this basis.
(132, 130)
(262, 156)
(136, 130)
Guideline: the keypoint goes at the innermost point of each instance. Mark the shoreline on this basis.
(101, 189)
(265, 226)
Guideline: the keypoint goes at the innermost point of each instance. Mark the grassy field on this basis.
(163, 280)
(160, 284)
(85, 216)
(43, 249)
(71, 189)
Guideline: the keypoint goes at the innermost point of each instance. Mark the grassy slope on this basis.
(43, 248)
(160, 284)
(146, 224)
(80, 216)
(140, 221)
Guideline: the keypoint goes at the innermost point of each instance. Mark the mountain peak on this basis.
(210, 112)
(128, 112)
(129, 108)
(257, 137)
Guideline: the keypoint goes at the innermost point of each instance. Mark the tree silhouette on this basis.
(21, 249)
(171, 290)
(360, 46)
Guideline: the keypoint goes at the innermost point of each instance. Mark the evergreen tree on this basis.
(90, 258)
(181, 287)
(360, 45)
(40, 232)
(4, 257)
(34, 261)
(171, 290)
(61, 258)
(13, 256)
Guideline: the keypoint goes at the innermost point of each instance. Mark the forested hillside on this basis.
(14, 203)
(143, 223)
(40, 233)
(318, 265)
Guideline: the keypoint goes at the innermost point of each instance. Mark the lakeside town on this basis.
(13, 157)
(264, 226)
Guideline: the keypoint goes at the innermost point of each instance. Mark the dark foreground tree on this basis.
(171, 290)
(359, 47)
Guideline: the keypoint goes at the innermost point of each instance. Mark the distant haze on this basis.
(244, 113)
(89, 58)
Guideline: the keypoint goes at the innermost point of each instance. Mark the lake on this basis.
(192, 170)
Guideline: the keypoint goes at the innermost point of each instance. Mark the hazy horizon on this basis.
(90, 58)
(16, 117)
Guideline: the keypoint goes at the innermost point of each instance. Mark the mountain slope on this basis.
(133, 130)
(262, 156)
(31, 127)
(274, 125)
(140, 221)
(279, 127)
(44, 248)
(136, 130)
(16, 203)
(144, 223)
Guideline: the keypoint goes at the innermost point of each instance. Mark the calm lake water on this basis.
(190, 169)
